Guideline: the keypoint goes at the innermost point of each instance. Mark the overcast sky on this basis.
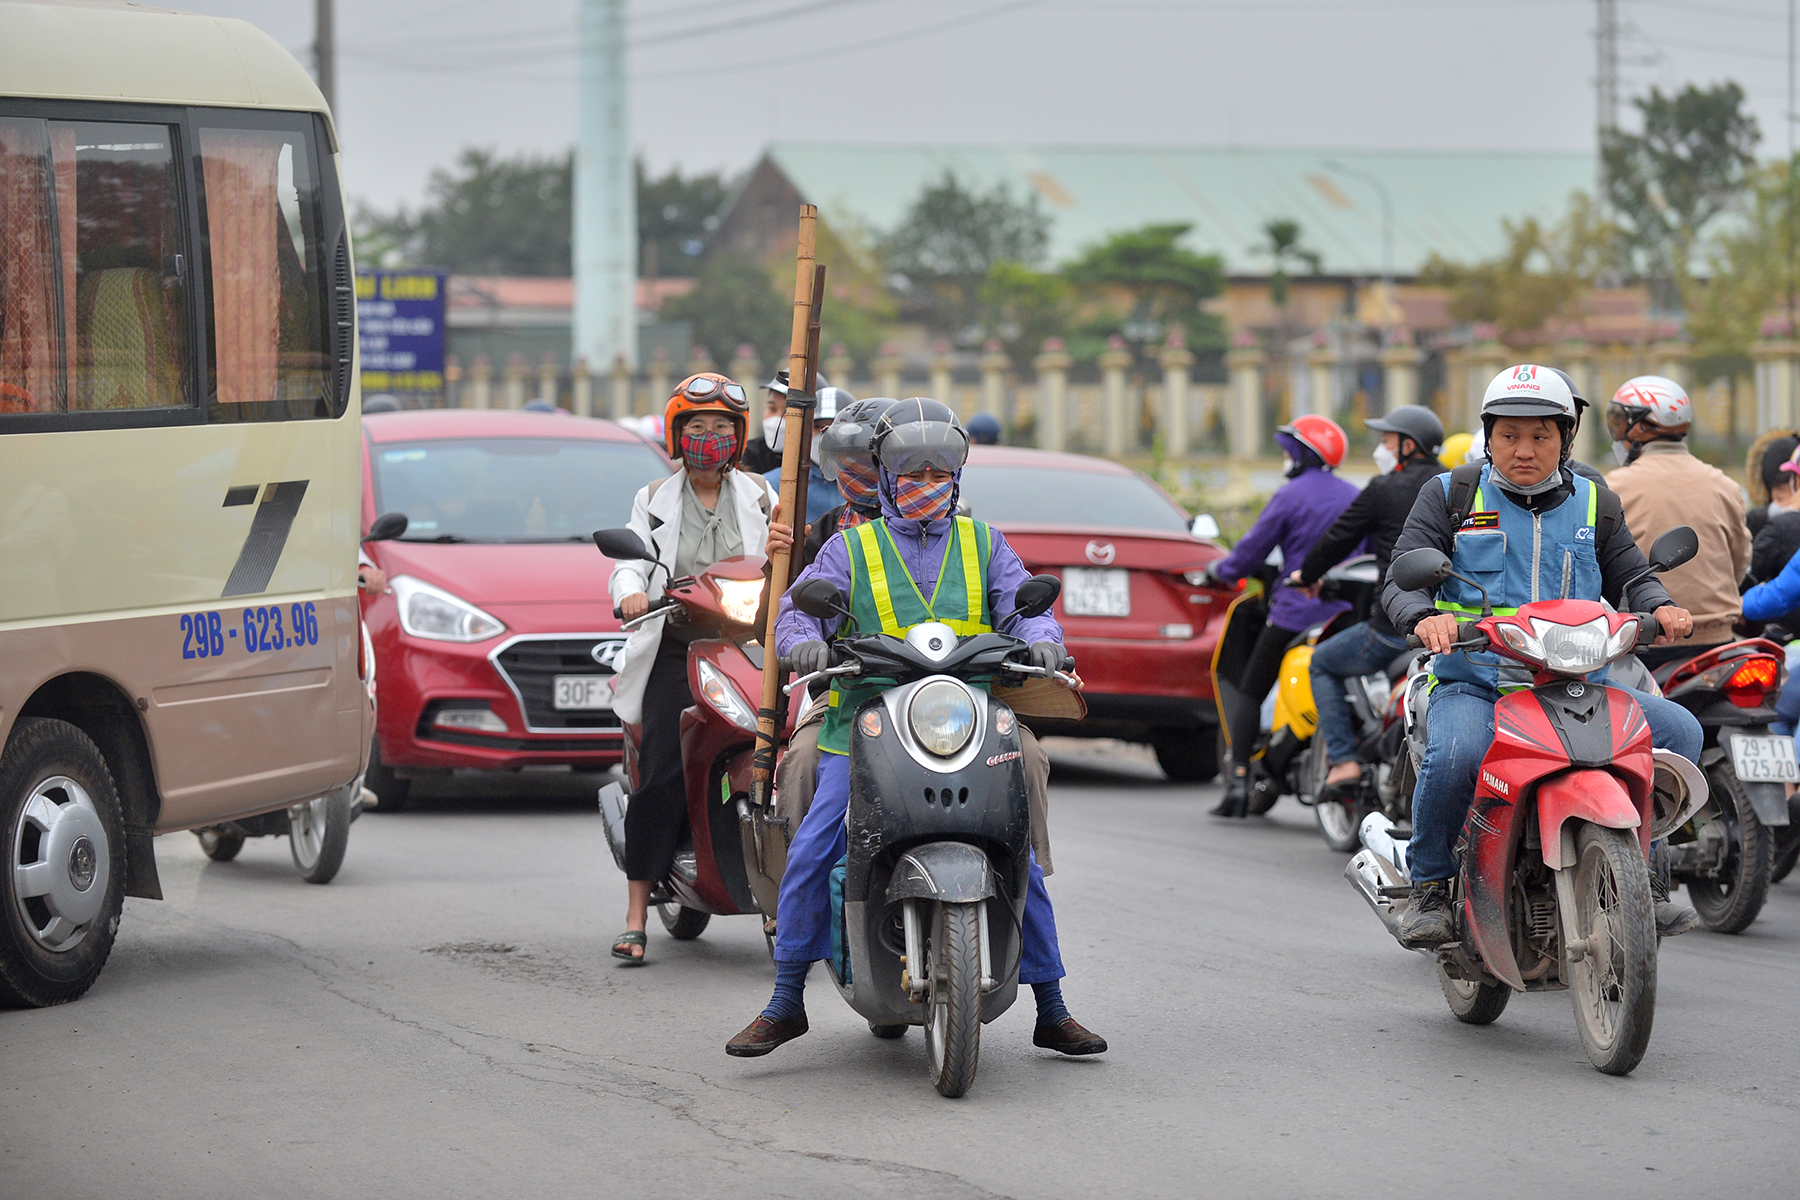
(419, 79)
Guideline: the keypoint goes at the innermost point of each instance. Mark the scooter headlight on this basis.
(942, 716)
(1570, 649)
(740, 598)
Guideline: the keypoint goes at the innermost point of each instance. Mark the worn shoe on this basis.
(1671, 918)
(1236, 799)
(1427, 921)
(763, 1035)
(1068, 1037)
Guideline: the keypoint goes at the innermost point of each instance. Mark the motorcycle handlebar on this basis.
(1649, 629)
(1468, 637)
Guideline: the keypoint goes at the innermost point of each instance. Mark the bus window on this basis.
(266, 264)
(98, 271)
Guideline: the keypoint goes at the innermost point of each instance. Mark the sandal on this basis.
(631, 937)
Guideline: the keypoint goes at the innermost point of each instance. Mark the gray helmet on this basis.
(848, 438)
(779, 384)
(1412, 421)
(917, 433)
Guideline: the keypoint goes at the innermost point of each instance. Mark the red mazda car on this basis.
(1135, 613)
(495, 643)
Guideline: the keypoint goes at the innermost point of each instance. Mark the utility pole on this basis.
(1606, 82)
(325, 54)
(605, 196)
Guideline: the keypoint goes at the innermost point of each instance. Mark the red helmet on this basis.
(1322, 435)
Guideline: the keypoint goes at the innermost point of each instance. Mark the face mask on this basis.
(815, 450)
(856, 484)
(1547, 483)
(775, 431)
(919, 501)
(1624, 452)
(1792, 505)
(707, 451)
(1385, 460)
(1288, 467)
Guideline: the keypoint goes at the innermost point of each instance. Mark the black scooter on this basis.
(928, 902)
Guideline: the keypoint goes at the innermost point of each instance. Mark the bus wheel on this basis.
(63, 884)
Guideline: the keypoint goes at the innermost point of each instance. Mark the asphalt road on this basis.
(444, 1020)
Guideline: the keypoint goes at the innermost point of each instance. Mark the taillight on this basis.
(1751, 681)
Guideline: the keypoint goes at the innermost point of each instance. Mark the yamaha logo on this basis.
(1576, 690)
(607, 654)
(1100, 553)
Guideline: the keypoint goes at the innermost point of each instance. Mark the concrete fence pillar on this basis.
(618, 391)
(581, 387)
(1177, 361)
(1053, 395)
(886, 368)
(1115, 409)
(994, 366)
(550, 379)
(1400, 371)
(1244, 362)
(481, 375)
(658, 395)
(746, 371)
(517, 375)
(1776, 376)
(453, 382)
(942, 388)
(1319, 363)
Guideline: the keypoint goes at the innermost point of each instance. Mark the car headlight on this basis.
(429, 612)
(722, 696)
(740, 598)
(942, 716)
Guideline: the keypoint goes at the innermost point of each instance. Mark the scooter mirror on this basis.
(387, 527)
(820, 598)
(620, 544)
(1036, 595)
(1419, 569)
(1673, 548)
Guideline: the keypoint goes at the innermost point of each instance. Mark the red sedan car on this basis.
(1135, 613)
(496, 641)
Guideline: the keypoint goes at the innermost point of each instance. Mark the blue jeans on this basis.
(1358, 650)
(1459, 730)
(803, 911)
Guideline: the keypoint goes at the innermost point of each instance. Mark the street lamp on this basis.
(1387, 235)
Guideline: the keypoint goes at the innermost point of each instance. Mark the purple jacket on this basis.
(1296, 516)
(921, 545)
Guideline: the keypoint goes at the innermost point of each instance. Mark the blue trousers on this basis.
(1358, 650)
(803, 912)
(1459, 730)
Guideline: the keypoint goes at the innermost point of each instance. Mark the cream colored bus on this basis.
(180, 642)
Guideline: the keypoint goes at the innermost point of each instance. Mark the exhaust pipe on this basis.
(1378, 835)
(1371, 876)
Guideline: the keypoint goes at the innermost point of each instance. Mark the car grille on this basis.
(531, 665)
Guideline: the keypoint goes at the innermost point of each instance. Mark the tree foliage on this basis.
(1166, 282)
(735, 301)
(1021, 307)
(1691, 162)
(675, 214)
(950, 236)
(1749, 270)
(1281, 246)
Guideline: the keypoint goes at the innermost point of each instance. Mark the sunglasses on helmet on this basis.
(712, 389)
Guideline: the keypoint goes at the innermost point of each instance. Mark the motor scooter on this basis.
(1725, 856)
(928, 902)
(1553, 889)
(722, 864)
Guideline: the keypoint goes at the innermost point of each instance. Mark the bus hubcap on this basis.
(60, 863)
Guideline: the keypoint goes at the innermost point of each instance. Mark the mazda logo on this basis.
(1100, 553)
(607, 654)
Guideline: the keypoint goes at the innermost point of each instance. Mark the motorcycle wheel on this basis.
(318, 834)
(1786, 856)
(686, 924)
(1730, 901)
(953, 998)
(1188, 756)
(1613, 985)
(1339, 826)
(219, 845)
(1473, 1003)
(887, 1033)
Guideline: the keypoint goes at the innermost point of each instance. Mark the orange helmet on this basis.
(707, 391)
(1322, 435)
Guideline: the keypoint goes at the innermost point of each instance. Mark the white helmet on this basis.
(1528, 390)
(1660, 405)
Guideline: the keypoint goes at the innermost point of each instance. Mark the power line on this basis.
(744, 22)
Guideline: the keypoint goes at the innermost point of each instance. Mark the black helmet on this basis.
(984, 429)
(1416, 422)
(779, 384)
(1581, 405)
(917, 433)
(849, 435)
(1775, 456)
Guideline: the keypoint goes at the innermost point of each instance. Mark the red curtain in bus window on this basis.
(29, 378)
(243, 216)
(62, 158)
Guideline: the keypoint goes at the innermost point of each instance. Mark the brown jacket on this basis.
(1667, 486)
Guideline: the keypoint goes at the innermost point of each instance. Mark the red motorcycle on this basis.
(731, 854)
(1554, 887)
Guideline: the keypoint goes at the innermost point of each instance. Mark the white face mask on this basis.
(1287, 465)
(815, 449)
(1385, 460)
(775, 431)
(1792, 505)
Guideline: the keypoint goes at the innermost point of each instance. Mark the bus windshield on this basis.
(511, 489)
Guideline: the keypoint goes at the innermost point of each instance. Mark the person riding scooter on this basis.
(888, 567)
(1405, 460)
(1524, 528)
(707, 512)
(1661, 485)
(819, 493)
(763, 452)
(1293, 519)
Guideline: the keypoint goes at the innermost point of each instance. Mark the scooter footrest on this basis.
(1395, 893)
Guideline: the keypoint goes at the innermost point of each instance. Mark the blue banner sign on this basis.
(400, 331)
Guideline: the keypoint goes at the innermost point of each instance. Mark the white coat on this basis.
(657, 522)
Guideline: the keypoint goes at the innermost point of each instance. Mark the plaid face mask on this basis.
(919, 501)
(856, 483)
(707, 451)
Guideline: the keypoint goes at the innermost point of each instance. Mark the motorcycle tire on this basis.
(1188, 756)
(953, 998)
(1730, 901)
(218, 844)
(686, 924)
(1473, 1003)
(1613, 985)
(1340, 824)
(318, 834)
(1787, 852)
(887, 1033)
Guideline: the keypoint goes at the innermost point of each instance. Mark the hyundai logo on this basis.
(607, 654)
(1100, 553)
